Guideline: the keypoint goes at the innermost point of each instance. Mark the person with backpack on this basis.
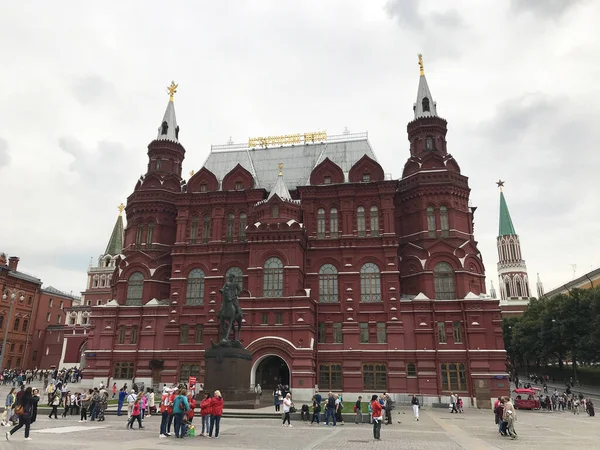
(180, 407)
(24, 409)
(316, 410)
(358, 417)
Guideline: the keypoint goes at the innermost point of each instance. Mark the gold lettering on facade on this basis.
(287, 139)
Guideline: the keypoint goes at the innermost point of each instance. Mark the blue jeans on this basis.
(163, 422)
(330, 413)
(205, 424)
(214, 425)
(178, 423)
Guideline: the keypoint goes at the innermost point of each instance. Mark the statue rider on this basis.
(232, 290)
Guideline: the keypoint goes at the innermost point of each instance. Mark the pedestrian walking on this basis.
(24, 409)
(377, 418)
(357, 409)
(287, 405)
(415, 406)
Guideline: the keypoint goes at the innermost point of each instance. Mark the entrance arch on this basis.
(269, 371)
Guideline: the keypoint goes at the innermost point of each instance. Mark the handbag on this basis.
(19, 410)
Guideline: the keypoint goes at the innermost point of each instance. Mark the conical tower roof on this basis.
(168, 129)
(280, 188)
(506, 226)
(115, 244)
(425, 106)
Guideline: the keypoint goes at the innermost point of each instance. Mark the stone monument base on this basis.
(227, 368)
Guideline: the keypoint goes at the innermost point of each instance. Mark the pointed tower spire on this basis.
(425, 106)
(492, 290)
(280, 189)
(168, 130)
(540, 287)
(506, 226)
(512, 270)
(115, 244)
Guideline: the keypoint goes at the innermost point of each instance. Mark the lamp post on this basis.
(13, 296)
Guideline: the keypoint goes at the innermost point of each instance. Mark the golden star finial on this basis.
(172, 89)
(280, 169)
(121, 207)
(500, 184)
(192, 173)
(421, 69)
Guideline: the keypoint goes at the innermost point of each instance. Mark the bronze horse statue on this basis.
(230, 311)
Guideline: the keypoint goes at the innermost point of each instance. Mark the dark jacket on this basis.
(414, 401)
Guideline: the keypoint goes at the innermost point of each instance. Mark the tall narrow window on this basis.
(457, 332)
(242, 233)
(237, 273)
(431, 221)
(441, 326)
(429, 143)
(321, 333)
(328, 284)
(135, 289)
(275, 212)
(443, 276)
(1, 321)
(194, 230)
(444, 221)
(381, 333)
(374, 213)
(453, 377)
(206, 229)
(195, 288)
(134, 334)
(183, 334)
(425, 104)
(519, 287)
(150, 234)
(278, 318)
(230, 226)
(138, 235)
(507, 288)
(121, 334)
(337, 333)
(333, 223)
(321, 223)
(513, 251)
(364, 333)
(360, 221)
(25, 325)
(16, 324)
(273, 278)
(411, 370)
(199, 338)
(370, 283)
(264, 318)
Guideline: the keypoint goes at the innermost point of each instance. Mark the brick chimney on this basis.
(13, 262)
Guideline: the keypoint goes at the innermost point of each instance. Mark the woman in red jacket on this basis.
(192, 403)
(216, 411)
(205, 414)
(376, 407)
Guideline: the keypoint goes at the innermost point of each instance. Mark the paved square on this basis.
(437, 429)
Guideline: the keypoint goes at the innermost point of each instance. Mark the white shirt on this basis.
(287, 403)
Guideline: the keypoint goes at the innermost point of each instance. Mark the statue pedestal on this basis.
(228, 370)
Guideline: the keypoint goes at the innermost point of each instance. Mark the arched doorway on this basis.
(272, 371)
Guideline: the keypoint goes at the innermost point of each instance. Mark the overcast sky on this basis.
(84, 90)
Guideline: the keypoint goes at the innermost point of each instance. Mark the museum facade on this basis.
(350, 280)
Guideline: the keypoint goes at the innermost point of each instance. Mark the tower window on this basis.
(138, 235)
(321, 223)
(444, 221)
(425, 104)
(374, 221)
(194, 230)
(443, 276)
(135, 288)
(360, 221)
(164, 128)
(370, 283)
(150, 234)
(328, 284)
(158, 164)
(275, 212)
(195, 288)
(206, 229)
(239, 186)
(431, 221)
(327, 180)
(507, 287)
(230, 227)
(203, 188)
(333, 223)
(242, 233)
(366, 177)
(429, 143)
(273, 278)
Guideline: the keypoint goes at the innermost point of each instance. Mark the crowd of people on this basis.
(19, 377)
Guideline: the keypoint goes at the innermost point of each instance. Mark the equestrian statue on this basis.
(230, 313)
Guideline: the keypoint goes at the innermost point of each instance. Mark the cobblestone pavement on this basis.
(473, 430)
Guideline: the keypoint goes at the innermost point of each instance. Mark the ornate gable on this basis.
(366, 169)
(237, 175)
(203, 181)
(327, 168)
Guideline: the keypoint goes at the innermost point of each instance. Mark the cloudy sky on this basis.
(83, 92)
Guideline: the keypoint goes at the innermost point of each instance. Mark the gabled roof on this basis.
(262, 163)
(280, 189)
(171, 121)
(506, 225)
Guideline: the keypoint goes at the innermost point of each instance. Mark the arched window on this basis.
(507, 288)
(194, 230)
(273, 278)
(194, 294)
(513, 251)
(360, 221)
(150, 234)
(103, 281)
(321, 223)
(17, 323)
(138, 235)
(333, 223)
(429, 143)
(242, 233)
(519, 287)
(425, 104)
(206, 229)
(230, 226)
(374, 214)
(431, 221)
(443, 275)
(445, 225)
(370, 283)
(96, 279)
(25, 325)
(237, 273)
(135, 289)
(328, 284)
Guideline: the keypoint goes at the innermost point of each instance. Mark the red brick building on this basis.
(23, 290)
(351, 280)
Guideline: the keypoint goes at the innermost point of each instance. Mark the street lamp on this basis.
(13, 296)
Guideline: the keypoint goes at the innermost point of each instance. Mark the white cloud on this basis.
(85, 93)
